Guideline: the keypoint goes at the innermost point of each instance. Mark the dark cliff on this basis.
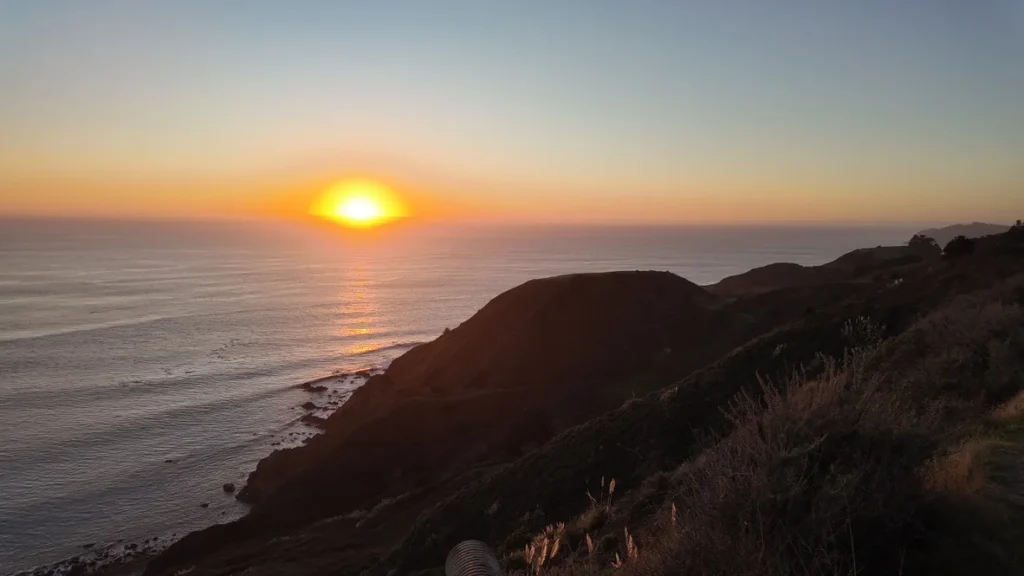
(504, 425)
(540, 358)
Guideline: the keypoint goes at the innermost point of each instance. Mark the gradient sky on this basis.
(561, 110)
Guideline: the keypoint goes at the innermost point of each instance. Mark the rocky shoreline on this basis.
(118, 558)
(122, 558)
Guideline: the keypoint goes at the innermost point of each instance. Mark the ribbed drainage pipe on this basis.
(472, 558)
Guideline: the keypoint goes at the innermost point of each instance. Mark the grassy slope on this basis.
(654, 441)
(889, 462)
(640, 443)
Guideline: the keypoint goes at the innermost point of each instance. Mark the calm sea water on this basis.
(125, 345)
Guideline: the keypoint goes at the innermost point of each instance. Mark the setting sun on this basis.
(359, 203)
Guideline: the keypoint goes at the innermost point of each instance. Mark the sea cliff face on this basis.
(503, 424)
(538, 359)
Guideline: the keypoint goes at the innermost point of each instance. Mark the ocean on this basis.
(145, 364)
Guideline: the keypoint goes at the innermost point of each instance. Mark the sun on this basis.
(359, 204)
(359, 209)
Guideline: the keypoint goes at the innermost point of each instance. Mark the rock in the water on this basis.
(89, 545)
(309, 406)
(314, 386)
(204, 505)
(168, 461)
(313, 420)
(229, 487)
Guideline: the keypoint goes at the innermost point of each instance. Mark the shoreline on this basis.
(126, 558)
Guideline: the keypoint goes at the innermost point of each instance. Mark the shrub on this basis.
(877, 466)
(924, 245)
(959, 246)
(815, 478)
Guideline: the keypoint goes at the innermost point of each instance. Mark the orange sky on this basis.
(631, 112)
(438, 198)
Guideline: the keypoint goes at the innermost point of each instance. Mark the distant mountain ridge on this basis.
(973, 230)
(846, 268)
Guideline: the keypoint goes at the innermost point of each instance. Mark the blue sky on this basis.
(648, 109)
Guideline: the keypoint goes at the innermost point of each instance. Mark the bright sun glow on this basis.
(359, 209)
(359, 203)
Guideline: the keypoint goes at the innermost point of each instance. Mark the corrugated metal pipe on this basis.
(472, 558)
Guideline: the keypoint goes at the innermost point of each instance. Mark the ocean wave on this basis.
(33, 334)
(40, 333)
(371, 349)
(334, 376)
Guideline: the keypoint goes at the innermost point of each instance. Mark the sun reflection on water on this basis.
(358, 315)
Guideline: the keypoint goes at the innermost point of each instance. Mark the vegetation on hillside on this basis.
(899, 458)
(924, 245)
(973, 230)
(874, 424)
(958, 246)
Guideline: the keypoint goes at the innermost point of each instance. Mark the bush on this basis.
(1016, 233)
(959, 246)
(878, 466)
(872, 468)
(924, 245)
(816, 478)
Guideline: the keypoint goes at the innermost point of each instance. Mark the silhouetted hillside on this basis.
(972, 230)
(848, 267)
(836, 427)
(537, 359)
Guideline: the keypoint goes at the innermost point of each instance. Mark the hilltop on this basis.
(852, 418)
(540, 358)
(851, 266)
(537, 359)
(973, 230)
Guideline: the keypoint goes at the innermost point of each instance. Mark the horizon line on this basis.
(484, 221)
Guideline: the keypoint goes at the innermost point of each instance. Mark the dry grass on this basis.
(968, 350)
(595, 515)
(878, 466)
(544, 548)
(812, 480)
(960, 472)
(542, 552)
(1012, 409)
(592, 519)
